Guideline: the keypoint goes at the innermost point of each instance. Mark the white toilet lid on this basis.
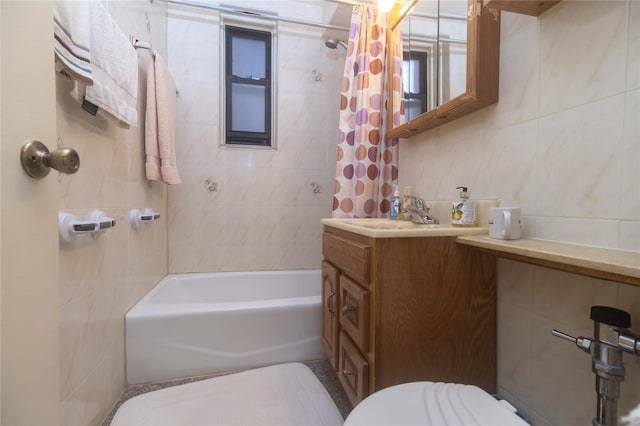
(429, 403)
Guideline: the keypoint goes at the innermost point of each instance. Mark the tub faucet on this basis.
(611, 339)
(418, 209)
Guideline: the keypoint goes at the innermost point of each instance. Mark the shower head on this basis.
(332, 43)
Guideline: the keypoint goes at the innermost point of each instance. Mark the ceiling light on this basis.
(385, 5)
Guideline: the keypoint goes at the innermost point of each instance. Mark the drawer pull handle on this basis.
(346, 309)
(347, 372)
(329, 304)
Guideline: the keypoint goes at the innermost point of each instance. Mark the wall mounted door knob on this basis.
(37, 161)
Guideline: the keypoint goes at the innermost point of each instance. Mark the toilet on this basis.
(430, 403)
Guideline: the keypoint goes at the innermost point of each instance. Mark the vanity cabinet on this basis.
(397, 310)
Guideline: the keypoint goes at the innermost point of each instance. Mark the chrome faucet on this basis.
(611, 339)
(419, 210)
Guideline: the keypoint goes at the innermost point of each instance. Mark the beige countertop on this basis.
(609, 264)
(387, 228)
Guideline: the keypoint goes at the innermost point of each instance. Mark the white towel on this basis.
(115, 68)
(284, 394)
(160, 124)
(72, 39)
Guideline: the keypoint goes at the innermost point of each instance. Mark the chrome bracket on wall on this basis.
(37, 161)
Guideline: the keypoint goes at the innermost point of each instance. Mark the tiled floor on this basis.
(322, 369)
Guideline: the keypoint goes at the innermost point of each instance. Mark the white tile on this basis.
(630, 236)
(592, 232)
(508, 170)
(514, 351)
(519, 70)
(561, 381)
(198, 144)
(630, 201)
(565, 299)
(515, 285)
(582, 53)
(633, 47)
(579, 161)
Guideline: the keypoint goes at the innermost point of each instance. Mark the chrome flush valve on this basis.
(611, 339)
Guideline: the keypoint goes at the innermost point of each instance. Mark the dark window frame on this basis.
(423, 96)
(247, 138)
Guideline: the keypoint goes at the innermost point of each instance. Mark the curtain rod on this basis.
(253, 14)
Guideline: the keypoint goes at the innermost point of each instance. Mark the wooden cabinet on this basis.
(526, 7)
(329, 308)
(481, 74)
(408, 309)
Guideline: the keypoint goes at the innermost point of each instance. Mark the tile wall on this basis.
(564, 144)
(102, 277)
(264, 213)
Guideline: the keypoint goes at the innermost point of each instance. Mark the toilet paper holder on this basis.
(37, 161)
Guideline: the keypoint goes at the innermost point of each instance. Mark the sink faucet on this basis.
(419, 210)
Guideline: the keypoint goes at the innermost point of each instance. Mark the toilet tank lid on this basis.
(429, 403)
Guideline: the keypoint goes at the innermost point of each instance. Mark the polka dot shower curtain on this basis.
(367, 165)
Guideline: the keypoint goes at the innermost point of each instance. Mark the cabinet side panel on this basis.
(435, 313)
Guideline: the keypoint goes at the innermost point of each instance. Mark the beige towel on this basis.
(160, 129)
(72, 39)
(114, 63)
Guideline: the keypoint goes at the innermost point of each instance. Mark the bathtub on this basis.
(196, 324)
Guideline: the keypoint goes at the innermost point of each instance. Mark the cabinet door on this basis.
(330, 277)
(353, 370)
(354, 312)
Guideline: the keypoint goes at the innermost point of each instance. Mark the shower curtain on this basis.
(367, 162)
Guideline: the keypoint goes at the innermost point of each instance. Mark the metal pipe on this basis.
(254, 14)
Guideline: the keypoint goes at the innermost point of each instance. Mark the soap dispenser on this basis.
(463, 212)
(396, 204)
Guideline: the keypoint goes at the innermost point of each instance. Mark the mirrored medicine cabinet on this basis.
(450, 51)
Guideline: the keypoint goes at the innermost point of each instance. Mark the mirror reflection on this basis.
(434, 38)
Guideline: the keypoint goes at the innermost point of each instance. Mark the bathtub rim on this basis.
(144, 308)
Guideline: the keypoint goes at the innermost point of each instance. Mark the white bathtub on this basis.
(195, 324)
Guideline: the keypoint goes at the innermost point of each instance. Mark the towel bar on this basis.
(139, 44)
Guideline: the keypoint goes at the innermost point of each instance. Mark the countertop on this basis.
(387, 228)
(608, 264)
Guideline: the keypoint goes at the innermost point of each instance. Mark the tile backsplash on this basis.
(563, 143)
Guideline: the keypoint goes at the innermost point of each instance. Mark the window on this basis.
(248, 86)
(414, 70)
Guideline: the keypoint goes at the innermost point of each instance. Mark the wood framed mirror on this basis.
(449, 85)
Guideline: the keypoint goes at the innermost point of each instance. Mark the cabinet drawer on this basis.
(354, 312)
(330, 312)
(351, 257)
(353, 371)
